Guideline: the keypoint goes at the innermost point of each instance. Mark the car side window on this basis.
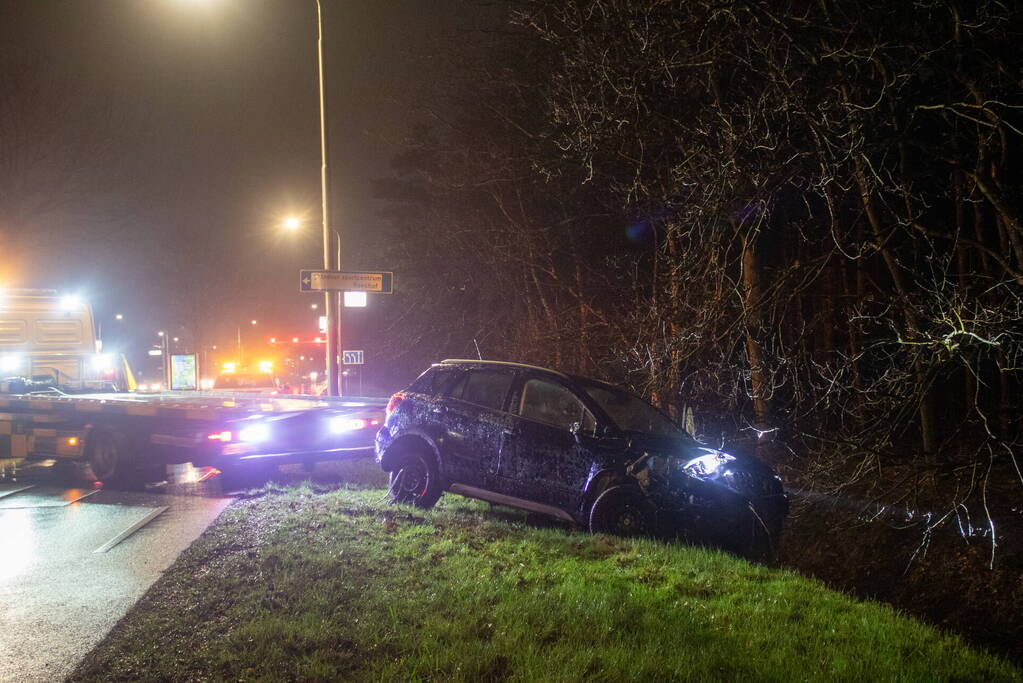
(453, 385)
(487, 388)
(555, 405)
(439, 382)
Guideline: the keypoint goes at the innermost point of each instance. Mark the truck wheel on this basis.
(109, 458)
(414, 481)
(622, 511)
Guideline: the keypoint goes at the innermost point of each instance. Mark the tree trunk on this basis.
(752, 301)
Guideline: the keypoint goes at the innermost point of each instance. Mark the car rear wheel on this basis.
(415, 481)
(622, 511)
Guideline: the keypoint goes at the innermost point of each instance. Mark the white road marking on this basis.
(132, 529)
(54, 504)
(4, 494)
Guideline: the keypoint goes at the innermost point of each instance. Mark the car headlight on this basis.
(706, 465)
(255, 433)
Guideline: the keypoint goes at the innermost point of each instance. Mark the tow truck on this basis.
(61, 399)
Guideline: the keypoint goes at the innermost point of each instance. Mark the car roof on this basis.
(500, 363)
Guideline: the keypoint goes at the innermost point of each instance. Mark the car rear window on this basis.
(487, 388)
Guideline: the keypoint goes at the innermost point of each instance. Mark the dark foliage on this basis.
(801, 218)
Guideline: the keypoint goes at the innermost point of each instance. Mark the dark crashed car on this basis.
(574, 448)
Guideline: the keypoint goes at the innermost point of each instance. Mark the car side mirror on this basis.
(577, 431)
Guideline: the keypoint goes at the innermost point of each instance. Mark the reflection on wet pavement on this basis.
(73, 559)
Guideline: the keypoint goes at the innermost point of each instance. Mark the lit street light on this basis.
(119, 316)
(291, 223)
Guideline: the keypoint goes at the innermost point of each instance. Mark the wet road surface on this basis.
(74, 560)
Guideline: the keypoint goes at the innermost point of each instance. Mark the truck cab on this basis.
(47, 340)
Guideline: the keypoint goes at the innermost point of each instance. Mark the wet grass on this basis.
(308, 583)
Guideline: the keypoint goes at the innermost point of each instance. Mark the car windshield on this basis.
(630, 413)
(235, 381)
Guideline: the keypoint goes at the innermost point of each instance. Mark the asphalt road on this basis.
(74, 560)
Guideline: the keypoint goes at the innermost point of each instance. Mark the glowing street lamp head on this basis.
(291, 223)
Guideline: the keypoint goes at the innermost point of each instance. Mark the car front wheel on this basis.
(415, 481)
(622, 511)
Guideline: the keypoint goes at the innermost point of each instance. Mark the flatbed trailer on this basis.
(121, 434)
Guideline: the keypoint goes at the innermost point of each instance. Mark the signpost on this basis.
(349, 282)
(346, 281)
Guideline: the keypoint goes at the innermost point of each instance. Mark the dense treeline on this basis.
(801, 218)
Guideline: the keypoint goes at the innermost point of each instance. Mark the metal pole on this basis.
(166, 361)
(329, 298)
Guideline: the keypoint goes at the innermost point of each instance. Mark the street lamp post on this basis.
(329, 298)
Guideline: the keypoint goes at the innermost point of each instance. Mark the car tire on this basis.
(415, 481)
(622, 511)
(109, 458)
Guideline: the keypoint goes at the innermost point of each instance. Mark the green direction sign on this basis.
(346, 281)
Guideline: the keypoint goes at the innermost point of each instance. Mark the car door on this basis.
(542, 459)
(476, 420)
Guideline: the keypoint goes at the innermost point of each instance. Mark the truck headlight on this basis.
(10, 362)
(103, 362)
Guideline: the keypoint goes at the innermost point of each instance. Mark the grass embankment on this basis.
(301, 584)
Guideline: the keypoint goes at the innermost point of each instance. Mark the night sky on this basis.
(151, 148)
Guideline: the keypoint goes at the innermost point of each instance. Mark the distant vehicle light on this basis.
(254, 433)
(206, 383)
(266, 366)
(224, 436)
(229, 367)
(273, 340)
(294, 340)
